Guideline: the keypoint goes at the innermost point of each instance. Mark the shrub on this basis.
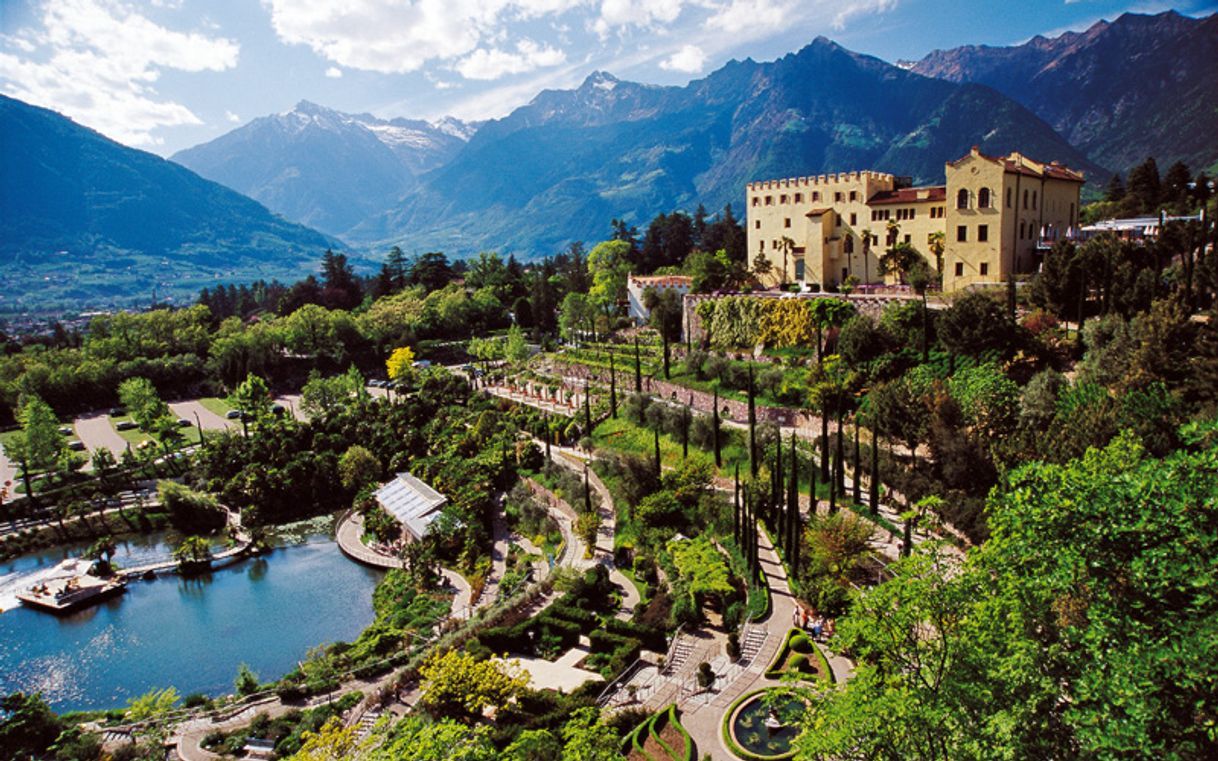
(800, 643)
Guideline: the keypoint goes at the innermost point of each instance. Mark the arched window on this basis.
(983, 198)
(962, 199)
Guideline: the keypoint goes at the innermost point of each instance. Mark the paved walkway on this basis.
(349, 536)
(603, 552)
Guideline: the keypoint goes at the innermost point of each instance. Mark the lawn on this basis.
(216, 405)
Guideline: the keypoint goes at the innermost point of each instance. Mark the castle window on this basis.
(769, 200)
(1008, 198)
(799, 269)
(757, 224)
(983, 233)
(961, 233)
(837, 197)
(854, 196)
(959, 269)
(782, 198)
(761, 245)
(1033, 199)
(815, 195)
(962, 199)
(983, 198)
(756, 201)
(1025, 198)
(854, 219)
(913, 213)
(799, 198)
(1021, 229)
(786, 222)
(985, 268)
(908, 238)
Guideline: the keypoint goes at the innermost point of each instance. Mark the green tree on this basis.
(252, 398)
(143, 403)
(975, 324)
(39, 444)
(456, 684)
(28, 726)
(151, 704)
(246, 682)
(608, 266)
(358, 468)
(587, 738)
(192, 552)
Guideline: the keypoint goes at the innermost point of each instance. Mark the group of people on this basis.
(821, 627)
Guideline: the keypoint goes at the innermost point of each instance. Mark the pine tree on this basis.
(812, 469)
(686, 420)
(715, 432)
(549, 435)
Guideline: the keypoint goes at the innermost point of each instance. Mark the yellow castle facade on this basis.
(992, 218)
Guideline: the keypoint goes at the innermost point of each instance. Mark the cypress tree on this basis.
(752, 427)
(776, 479)
(812, 468)
(612, 387)
(792, 501)
(587, 492)
(587, 410)
(549, 435)
(857, 473)
(659, 471)
(715, 431)
(840, 472)
(873, 488)
(824, 440)
(638, 368)
(686, 419)
(736, 508)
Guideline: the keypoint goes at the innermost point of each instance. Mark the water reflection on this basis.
(190, 633)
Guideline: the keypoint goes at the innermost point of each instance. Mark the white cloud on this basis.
(756, 18)
(398, 36)
(334, 72)
(231, 118)
(97, 61)
(495, 63)
(689, 59)
(615, 14)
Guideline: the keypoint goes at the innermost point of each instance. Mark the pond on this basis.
(767, 730)
(191, 633)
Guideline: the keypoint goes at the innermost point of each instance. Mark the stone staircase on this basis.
(366, 722)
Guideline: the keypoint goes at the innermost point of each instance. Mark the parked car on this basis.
(184, 423)
(126, 425)
(66, 430)
(117, 412)
(76, 446)
(277, 409)
(233, 414)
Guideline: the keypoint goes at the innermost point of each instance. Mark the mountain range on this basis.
(1120, 91)
(90, 222)
(324, 168)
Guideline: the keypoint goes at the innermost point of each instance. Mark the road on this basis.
(209, 420)
(97, 432)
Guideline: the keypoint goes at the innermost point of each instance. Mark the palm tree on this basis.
(192, 554)
(936, 243)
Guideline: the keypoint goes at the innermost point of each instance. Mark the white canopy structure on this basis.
(415, 504)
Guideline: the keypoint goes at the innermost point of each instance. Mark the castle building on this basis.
(994, 217)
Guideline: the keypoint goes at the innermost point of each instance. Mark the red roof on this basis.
(931, 194)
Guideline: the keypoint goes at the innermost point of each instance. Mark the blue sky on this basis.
(167, 74)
